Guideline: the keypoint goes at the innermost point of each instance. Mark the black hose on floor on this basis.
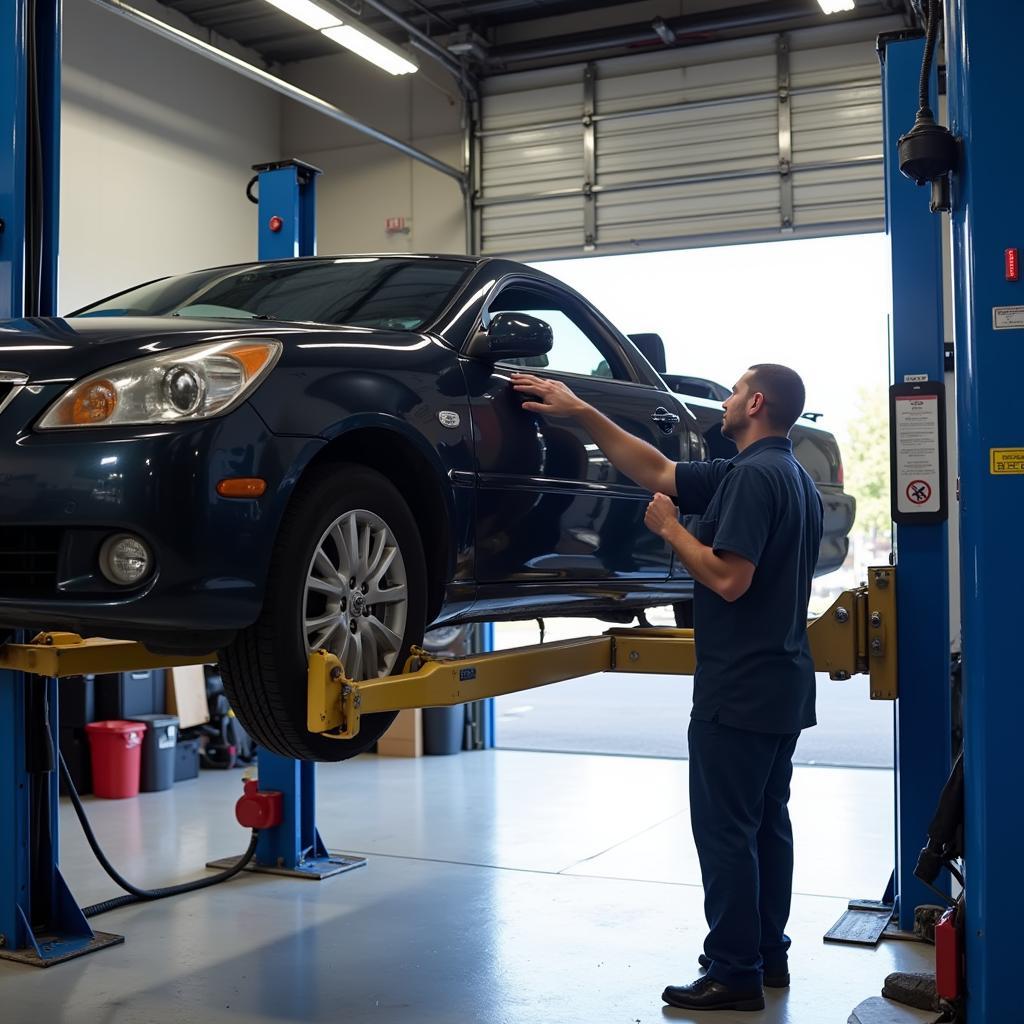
(135, 894)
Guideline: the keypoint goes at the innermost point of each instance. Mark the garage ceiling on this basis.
(519, 34)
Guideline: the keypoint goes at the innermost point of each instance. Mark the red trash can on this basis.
(116, 749)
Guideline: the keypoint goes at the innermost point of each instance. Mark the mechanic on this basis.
(751, 547)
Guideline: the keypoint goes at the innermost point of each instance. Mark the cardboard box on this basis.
(405, 737)
(186, 695)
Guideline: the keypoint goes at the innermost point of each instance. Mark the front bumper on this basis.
(63, 492)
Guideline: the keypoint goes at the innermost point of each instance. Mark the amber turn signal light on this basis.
(93, 404)
(242, 487)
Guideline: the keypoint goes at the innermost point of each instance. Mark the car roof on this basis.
(322, 257)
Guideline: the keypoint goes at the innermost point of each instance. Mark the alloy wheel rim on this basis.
(355, 602)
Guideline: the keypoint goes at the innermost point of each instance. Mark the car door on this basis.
(550, 506)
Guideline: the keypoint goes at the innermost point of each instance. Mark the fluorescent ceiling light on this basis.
(307, 12)
(363, 41)
(371, 47)
(828, 6)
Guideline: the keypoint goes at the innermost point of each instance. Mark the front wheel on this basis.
(347, 575)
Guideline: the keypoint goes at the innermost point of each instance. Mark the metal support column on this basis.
(40, 922)
(988, 219)
(287, 209)
(923, 708)
(287, 229)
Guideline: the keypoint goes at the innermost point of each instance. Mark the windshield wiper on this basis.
(250, 316)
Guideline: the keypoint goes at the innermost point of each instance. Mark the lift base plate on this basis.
(100, 940)
(317, 870)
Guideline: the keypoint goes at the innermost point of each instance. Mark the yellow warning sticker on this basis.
(1007, 460)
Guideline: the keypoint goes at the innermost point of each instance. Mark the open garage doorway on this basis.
(820, 306)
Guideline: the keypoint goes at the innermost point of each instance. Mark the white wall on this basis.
(157, 145)
(364, 182)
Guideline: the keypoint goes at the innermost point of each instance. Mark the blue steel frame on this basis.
(983, 40)
(40, 922)
(287, 197)
(922, 552)
(288, 191)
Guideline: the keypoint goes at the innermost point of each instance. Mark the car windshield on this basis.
(399, 294)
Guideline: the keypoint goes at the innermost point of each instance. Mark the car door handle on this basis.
(668, 421)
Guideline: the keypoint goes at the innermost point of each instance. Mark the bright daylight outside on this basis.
(820, 306)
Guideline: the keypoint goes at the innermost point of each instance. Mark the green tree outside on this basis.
(866, 465)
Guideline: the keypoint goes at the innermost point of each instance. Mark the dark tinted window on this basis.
(395, 294)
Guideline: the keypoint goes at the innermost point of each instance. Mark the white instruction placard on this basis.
(918, 454)
(1008, 318)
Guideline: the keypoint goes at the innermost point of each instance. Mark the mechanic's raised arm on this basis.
(631, 455)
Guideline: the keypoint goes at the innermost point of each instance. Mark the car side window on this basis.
(574, 348)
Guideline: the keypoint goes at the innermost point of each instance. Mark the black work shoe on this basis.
(707, 994)
(772, 979)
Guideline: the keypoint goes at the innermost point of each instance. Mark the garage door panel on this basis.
(691, 81)
(515, 109)
(687, 144)
(520, 227)
(808, 105)
(619, 137)
(866, 117)
(637, 232)
(825, 147)
(680, 162)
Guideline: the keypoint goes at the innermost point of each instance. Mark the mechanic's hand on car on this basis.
(555, 399)
(662, 515)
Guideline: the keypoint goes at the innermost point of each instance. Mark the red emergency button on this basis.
(1012, 264)
(258, 808)
(276, 223)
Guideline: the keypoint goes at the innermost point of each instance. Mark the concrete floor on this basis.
(502, 887)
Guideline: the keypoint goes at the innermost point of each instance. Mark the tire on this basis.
(264, 669)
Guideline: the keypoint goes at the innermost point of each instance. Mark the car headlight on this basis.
(192, 383)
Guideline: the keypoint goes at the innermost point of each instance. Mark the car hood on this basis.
(55, 350)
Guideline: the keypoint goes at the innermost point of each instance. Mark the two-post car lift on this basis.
(41, 924)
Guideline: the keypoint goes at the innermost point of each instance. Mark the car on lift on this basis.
(268, 459)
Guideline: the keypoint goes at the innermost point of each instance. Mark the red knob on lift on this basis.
(256, 809)
(276, 223)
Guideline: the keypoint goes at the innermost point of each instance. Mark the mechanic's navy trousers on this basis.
(739, 791)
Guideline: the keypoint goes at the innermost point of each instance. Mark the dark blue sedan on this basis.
(272, 458)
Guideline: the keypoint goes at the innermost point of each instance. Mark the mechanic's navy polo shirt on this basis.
(754, 665)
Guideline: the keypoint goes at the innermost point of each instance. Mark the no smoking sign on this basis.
(919, 491)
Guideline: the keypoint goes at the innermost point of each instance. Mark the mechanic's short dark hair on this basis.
(784, 393)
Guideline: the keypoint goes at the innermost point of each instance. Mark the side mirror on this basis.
(652, 348)
(512, 336)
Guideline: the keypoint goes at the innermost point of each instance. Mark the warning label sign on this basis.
(1006, 461)
(918, 453)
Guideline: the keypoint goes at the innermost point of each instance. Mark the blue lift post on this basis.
(40, 922)
(287, 228)
(982, 41)
(922, 711)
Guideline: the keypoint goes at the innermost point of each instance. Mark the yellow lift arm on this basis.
(857, 635)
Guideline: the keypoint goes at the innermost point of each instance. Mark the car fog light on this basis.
(125, 559)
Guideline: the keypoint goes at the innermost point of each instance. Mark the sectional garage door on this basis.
(755, 139)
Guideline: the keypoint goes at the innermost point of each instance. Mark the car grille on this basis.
(28, 560)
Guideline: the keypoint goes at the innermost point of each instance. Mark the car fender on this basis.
(452, 493)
